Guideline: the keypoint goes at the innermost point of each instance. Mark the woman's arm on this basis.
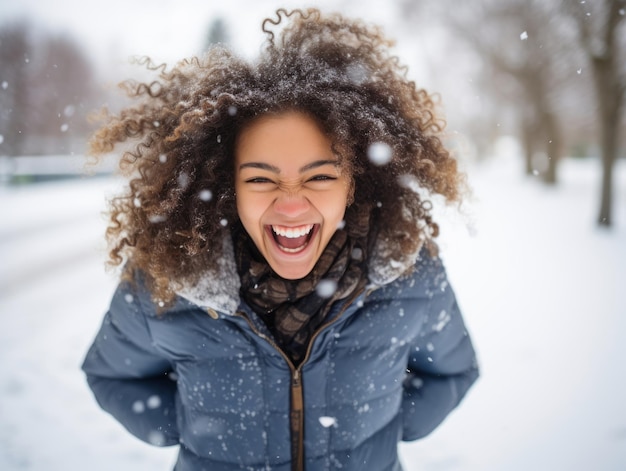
(442, 365)
(129, 378)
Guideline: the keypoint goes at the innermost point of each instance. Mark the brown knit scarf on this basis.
(294, 309)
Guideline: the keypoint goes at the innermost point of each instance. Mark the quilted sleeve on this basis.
(442, 364)
(129, 378)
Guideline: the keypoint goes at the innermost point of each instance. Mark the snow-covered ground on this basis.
(537, 280)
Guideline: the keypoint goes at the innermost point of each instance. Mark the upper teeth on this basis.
(292, 232)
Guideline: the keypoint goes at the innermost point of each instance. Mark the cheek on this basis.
(250, 209)
(245, 208)
(333, 208)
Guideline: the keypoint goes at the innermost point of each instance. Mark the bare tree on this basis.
(522, 44)
(15, 54)
(46, 91)
(218, 33)
(600, 26)
(61, 91)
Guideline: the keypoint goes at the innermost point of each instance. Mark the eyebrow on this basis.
(274, 169)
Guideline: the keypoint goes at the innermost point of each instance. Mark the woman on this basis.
(282, 305)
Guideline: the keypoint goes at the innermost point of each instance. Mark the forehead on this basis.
(282, 139)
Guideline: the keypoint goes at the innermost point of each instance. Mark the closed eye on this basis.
(259, 180)
(322, 178)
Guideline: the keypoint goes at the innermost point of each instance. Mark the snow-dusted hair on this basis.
(180, 203)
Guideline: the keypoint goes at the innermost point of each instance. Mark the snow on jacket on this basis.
(388, 365)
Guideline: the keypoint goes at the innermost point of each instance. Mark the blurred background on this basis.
(548, 73)
(533, 92)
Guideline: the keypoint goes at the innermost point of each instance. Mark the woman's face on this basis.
(291, 192)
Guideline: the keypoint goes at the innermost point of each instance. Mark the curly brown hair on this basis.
(180, 201)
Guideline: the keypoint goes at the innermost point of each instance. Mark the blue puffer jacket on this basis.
(389, 365)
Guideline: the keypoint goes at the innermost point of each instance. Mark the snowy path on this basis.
(538, 284)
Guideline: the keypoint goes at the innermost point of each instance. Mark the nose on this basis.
(291, 204)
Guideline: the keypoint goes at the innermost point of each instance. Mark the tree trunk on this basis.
(554, 146)
(610, 114)
(610, 92)
(610, 111)
(546, 128)
(608, 158)
(528, 145)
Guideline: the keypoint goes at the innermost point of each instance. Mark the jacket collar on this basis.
(218, 288)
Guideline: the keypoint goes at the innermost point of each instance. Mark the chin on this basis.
(295, 273)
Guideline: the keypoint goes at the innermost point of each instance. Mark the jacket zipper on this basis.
(296, 416)
(297, 422)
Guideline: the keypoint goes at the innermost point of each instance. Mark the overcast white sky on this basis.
(169, 30)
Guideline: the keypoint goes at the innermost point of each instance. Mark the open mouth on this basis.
(293, 239)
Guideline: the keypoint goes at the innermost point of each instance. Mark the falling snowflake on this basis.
(205, 195)
(326, 288)
(156, 438)
(138, 407)
(379, 153)
(157, 218)
(417, 382)
(409, 182)
(153, 402)
(183, 180)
